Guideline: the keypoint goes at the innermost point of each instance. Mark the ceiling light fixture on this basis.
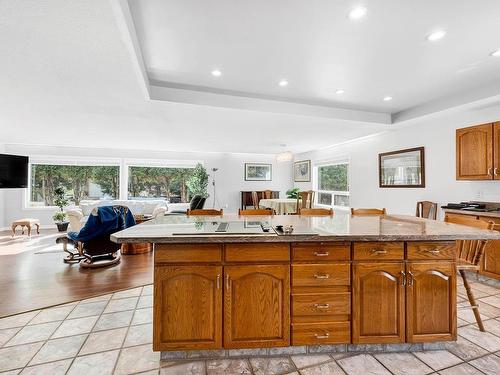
(216, 73)
(436, 35)
(495, 53)
(357, 13)
(339, 91)
(283, 83)
(387, 98)
(284, 156)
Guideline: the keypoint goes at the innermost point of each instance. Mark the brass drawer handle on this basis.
(495, 171)
(325, 335)
(325, 276)
(433, 251)
(321, 254)
(322, 306)
(379, 251)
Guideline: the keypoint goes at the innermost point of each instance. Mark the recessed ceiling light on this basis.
(339, 91)
(496, 53)
(387, 98)
(283, 83)
(436, 35)
(357, 13)
(216, 73)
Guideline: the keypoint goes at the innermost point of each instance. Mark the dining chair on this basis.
(205, 212)
(267, 194)
(427, 210)
(304, 199)
(255, 200)
(368, 211)
(316, 212)
(261, 212)
(469, 254)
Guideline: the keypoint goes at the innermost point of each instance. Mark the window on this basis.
(82, 182)
(159, 182)
(332, 184)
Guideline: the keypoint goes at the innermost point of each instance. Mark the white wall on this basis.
(437, 134)
(230, 176)
(2, 199)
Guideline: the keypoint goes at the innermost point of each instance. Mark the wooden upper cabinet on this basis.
(474, 152)
(188, 307)
(496, 150)
(378, 307)
(256, 306)
(431, 302)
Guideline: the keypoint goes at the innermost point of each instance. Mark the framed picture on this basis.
(302, 171)
(402, 169)
(258, 172)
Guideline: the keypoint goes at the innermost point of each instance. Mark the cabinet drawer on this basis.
(431, 250)
(257, 252)
(379, 251)
(321, 333)
(321, 304)
(321, 274)
(495, 220)
(321, 251)
(200, 253)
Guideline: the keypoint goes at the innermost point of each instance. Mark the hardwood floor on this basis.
(33, 274)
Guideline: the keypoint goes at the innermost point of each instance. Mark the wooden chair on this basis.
(261, 212)
(368, 211)
(255, 200)
(316, 212)
(267, 194)
(469, 254)
(427, 210)
(205, 212)
(305, 199)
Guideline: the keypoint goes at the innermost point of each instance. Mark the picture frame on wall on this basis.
(302, 171)
(402, 168)
(258, 172)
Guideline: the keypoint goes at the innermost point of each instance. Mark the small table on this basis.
(28, 223)
(281, 206)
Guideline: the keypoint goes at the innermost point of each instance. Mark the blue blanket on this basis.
(108, 220)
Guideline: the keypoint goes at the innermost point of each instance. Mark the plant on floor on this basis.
(60, 216)
(197, 183)
(293, 193)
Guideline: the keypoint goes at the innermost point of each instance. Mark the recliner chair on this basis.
(196, 203)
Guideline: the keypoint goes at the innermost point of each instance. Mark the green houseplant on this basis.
(197, 183)
(60, 216)
(293, 193)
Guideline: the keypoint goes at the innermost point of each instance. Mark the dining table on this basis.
(281, 206)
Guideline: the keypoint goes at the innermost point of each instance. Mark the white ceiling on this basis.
(68, 76)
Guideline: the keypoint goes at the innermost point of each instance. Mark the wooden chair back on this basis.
(260, 212)
(368, 211)
(255, 200)
(267, 194)
(205, 212)
(304, 199)
(427, 210)
(316, 212)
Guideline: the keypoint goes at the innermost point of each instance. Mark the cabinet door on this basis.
(257, 306)
(431, 301)
(491, 259)
(187, 310)
(378, 303)
(475, 153)
(496, 150)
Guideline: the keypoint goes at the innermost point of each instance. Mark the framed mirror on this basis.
(402, 168)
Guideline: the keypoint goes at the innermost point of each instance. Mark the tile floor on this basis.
(111, 334)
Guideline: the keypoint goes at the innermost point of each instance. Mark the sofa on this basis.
(78, 215)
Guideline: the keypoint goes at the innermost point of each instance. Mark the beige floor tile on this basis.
(464, 349)
(52, 368)
(143, 316)
(477, 293)
(302, 361)
(135, 292)
(94, 364)
(362, 364)
(55, 350)
(145, 301)
(105, 297)
(488, 310)
(438, 359)
(228, 366)
(492, 326)
(489, 365)
(17, 356)
(13, 372)
(485, 288)
(88, 309)
(139, 335)
(271, 366)
(190, 368)
(147, 290)
(51, 315)
(485, 340)
(468, 315)
(330, 368)
(19, 320)
(403, 364)
(77, 326)
(462, 323)
(104, 340)
(462, 369)
(7, 334)
(114, 320)
(116, 305)
(137, 359)
(34, 333)
(492, 300)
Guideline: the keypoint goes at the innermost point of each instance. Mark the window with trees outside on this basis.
(159, 182)
(81, 182)
(332, 184)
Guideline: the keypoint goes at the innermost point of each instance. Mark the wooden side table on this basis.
(137, 248)
(28, 223)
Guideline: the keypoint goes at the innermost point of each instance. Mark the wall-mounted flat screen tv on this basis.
(13, 171)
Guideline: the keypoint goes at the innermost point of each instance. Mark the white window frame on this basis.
(324, 163)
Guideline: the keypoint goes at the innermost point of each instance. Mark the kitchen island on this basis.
(224, 284)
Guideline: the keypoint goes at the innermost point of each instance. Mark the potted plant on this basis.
(293, 193)
(197, 183)
(60, 216)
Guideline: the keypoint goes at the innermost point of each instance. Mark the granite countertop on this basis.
(340, 227)
(495, 214)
